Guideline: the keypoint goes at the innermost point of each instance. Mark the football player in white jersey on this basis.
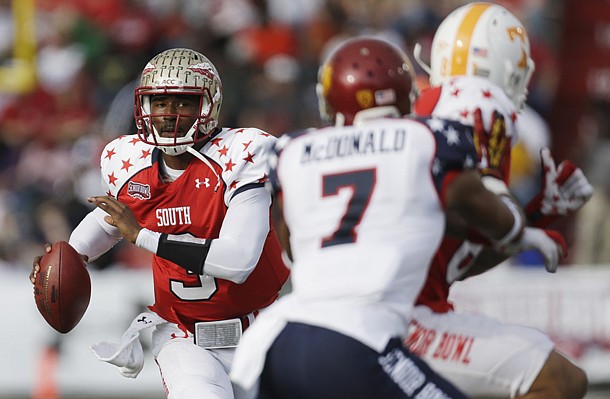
(363, 202)
(193, 194)
(481, 60)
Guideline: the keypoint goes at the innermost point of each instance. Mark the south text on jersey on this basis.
(180, 215)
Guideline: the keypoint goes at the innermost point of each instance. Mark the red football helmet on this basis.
(365, 73)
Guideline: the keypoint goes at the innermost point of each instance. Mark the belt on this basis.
(247, 320)
(222, 333)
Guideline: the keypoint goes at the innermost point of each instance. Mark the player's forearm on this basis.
(93, 236)
(496, 219)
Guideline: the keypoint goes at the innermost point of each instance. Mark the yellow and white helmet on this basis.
(486, 40)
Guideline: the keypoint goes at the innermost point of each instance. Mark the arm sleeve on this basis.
(234, 254)
(93, 236)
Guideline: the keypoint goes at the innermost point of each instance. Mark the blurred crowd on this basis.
(89, 55)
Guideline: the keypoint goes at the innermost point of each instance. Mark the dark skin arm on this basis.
(478, 207)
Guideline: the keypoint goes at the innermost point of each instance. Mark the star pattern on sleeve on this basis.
(112, 179)
(246, 145)
(229, 165)
(223, 151)
(452, 136)
(436, 124)
(126, 165)
(145, 154)
(110, 153)
(469, 162)
(436, 166)
(134, 141)
(216, 141)
(249, 157)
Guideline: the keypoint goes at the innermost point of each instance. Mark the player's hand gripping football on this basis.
(565, 189)
(493, 146)
(36, 264)
(119, 216)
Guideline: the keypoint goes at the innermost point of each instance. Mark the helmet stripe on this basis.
(461, 48)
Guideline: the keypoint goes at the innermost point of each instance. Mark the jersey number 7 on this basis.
(362, 183)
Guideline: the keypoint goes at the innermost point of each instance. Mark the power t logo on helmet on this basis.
(483, 39)
(181, 72)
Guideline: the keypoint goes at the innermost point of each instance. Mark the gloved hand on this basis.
(493, 146)
(549, 243)
(565, 189)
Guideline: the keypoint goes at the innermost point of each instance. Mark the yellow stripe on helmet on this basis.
(461, 46)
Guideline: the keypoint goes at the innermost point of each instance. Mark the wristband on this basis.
(148, 240)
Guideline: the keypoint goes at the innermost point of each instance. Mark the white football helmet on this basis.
(483, 39)
(178, 71)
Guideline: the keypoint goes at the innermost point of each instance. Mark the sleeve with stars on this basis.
(455, 150)
(242, 156)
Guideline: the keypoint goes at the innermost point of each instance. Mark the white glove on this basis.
(549, 243)
(574, 187)
(565, 189)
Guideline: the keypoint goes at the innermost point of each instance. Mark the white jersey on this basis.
(458, 98)
(363, 209)
(363, 205)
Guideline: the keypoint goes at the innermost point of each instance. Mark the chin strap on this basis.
(203, 159)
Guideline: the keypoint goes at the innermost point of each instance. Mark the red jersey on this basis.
(196, 203)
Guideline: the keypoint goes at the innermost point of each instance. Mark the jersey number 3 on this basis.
(362, 183)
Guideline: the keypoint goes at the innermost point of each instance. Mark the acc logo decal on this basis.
(364, 98)
(138, 190)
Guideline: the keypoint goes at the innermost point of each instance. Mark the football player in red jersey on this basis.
(193, 194)
(481, 61)
(364, 203)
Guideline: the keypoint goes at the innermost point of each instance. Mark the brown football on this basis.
(63, 287)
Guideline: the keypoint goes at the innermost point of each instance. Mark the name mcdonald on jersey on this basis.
(327, 147)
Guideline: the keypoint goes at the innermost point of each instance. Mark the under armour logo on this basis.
(206, 182)
(143, 320)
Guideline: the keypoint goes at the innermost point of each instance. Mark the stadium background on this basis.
(67, 72)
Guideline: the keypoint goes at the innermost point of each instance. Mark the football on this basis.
(63, 287)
